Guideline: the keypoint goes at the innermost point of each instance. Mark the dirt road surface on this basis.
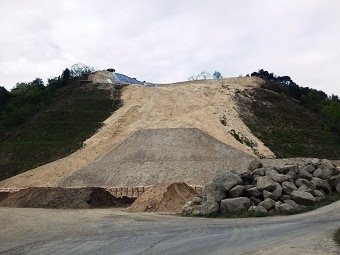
(110, 231)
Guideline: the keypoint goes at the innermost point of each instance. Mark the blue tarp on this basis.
(121, 78)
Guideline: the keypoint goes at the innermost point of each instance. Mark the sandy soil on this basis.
(163, 197)
(198, 104)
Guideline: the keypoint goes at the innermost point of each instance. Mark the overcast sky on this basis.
(167, 41)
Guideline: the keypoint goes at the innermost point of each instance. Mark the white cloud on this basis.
(167, 41)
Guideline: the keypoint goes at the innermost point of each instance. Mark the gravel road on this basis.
(111, 231)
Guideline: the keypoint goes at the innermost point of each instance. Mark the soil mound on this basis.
(63, 198)
(163, 197)
(161, 155)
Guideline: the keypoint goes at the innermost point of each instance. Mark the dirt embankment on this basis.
(61, 198)
(161, 155)
(198, 104)
(163, 197)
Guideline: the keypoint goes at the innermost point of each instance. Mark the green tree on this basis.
(332, 113)
(4, 96)
(38, 82)
(66, 76)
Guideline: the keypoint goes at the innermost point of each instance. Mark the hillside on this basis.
(207, 105)
(59, 129)
(152, 156)
(286, 126)
(164, 133)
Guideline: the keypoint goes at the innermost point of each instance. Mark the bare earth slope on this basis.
(198, 104)
(157, 155)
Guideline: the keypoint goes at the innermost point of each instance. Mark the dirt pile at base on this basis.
(64, 198)
(163, 197)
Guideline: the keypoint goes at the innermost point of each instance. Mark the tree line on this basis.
(327, 107)
(27, 98)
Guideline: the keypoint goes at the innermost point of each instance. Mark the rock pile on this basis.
(265, 189)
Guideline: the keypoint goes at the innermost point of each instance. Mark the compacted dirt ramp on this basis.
(161, 155)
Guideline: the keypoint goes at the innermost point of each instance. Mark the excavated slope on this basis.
(161, 155)
(196, 104)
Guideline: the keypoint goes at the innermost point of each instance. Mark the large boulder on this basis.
(304, 188)
(275, 195)
(233, 205)
(259, 209)
(265, 183)
(292, 175)
(338, 188)
(255, 200)
(254, 164)
(288, 187)
(305, 175)
(318, 193)
(328, 169)
(325, 173)
(268, 204)
(229, 180)
(246, 177)
(237, 191)
(277, 192)
(291, 203)
(322, 184)
(318, 173)
(209, 207)
(286, 168)
(188, 208)
(254, 192)
(258, 172)
(197, 200)
(309, 168)
(285, 197)
(303, 198)
(283, 207)
(276, 177)
(213, 191)
(267, 194)
(334, 180)
(325, 163)
(299, 182)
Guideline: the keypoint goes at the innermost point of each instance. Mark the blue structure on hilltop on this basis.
(121, 78)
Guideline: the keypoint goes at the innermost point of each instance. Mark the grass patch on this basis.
(337, 237)
(286, 127)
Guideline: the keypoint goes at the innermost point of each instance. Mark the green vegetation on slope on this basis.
(287, 127)
(337, 236)
(326, 107)
(52, 126)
